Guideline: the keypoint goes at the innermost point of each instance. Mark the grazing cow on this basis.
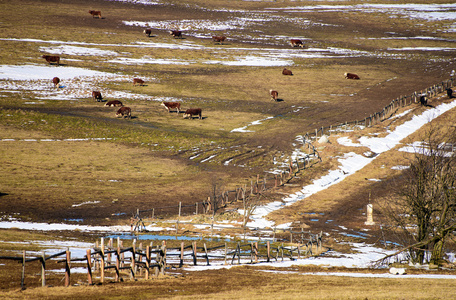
(138, 81)
(114, 103)
(95, 13)
(124, 112)
(296, 43)
(147, 32)
(274, 95)
(193, 112)
(351, 76)
(450, 93)
(56, 81)
(176, 33)
(52, 58)
(423, 100)
(170, 105)
(96, 95)
(219, 39)
(287, 72)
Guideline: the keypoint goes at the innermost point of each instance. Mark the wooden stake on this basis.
(89, 266)
(43, 269)
(67, 268)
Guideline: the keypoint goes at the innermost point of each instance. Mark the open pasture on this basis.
(67, 158)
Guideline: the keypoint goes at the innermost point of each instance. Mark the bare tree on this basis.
(423, 212)
(216, 188)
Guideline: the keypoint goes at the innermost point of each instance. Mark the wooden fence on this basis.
(297, 164)
(141, 264)
(387, 112)
(240, 194)
(247, 253)
(100, 259)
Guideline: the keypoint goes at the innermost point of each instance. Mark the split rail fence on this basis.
(135, 262)
(97, 262)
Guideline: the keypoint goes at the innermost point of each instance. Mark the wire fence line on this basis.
(386, 113)
(295, 164)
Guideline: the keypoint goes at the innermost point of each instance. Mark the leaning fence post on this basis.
(133, 260)
(117, 278)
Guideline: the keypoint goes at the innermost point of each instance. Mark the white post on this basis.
(370, 219)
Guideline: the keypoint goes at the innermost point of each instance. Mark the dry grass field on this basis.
(67, 157)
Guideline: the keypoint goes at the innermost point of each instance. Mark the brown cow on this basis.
(96, 95)
(169, 105)
(176, 33)
(52, 58)
(147, 32)
(193, 112)
(138, 81)
(124, 111)
(296, 43)
(351, 76)
(95, 13)
(56, 81)
(274, 95)
(219, 39)
(114, 103)
(287, 72)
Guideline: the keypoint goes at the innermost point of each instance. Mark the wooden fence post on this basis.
(194, 253)
(102, 262)
(117, 277)
(23, 270)
(281, 251)
(43, 268)
(67, 268)
(147, 262)
(133, 261)
(163, 258)
(207, 256)
(181, 263)
(108, 256)
(89, 267)
(157, 259)
(268, 247)
(225, 253)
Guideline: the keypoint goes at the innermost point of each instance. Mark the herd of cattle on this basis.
(125, 112)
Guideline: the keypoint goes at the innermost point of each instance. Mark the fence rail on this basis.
(295, 165)
(140, 262)
(386, 113)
